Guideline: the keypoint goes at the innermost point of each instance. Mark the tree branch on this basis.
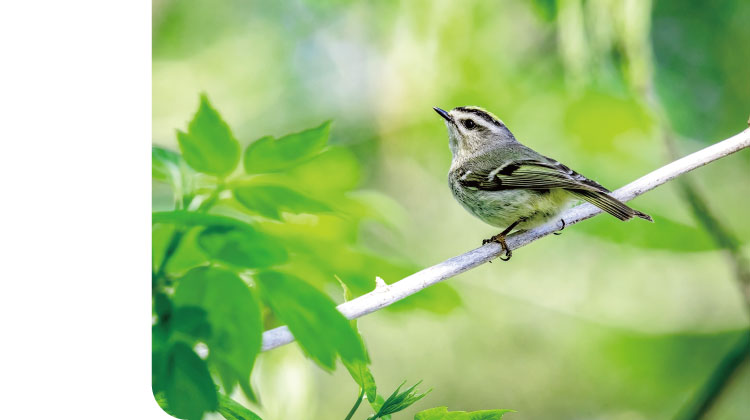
(388, 294)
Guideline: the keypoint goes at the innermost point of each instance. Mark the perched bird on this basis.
(509, 185)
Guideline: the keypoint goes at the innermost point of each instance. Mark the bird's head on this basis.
(472, 130)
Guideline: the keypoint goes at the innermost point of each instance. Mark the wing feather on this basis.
(536, 174)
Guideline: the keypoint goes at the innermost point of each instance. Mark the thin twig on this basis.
(384, 296)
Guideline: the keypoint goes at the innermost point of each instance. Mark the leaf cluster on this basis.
(220, 273)
(229, 257)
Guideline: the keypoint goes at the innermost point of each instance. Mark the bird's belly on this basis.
(502, 208)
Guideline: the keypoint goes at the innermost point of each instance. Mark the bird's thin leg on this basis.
(559, 232)
(500, 238)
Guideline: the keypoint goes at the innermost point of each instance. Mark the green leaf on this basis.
(232, 410)
(235, 318)
(209, 146)
(228, 240)
(189, 389)
(270, 155)
(241, 247)
(320, 329)
(191, 218)
(363, 377)
(271, 200)
(191, 321)
(359, 370)
(399, 401)
(442, 413)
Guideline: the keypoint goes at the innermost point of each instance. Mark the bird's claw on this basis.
(501, 240)
(559, 232)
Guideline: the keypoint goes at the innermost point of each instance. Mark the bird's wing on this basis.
(528, 173)
(538, 172)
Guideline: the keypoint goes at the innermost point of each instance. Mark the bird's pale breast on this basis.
(502, 208)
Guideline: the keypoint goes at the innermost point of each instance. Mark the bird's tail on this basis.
(610, 204)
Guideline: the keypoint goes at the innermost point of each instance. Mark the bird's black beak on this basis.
(443, 114)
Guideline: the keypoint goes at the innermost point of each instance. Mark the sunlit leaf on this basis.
(333, 171)
(442, 413)
(189, 389)
(234, 315)
(312, 317)
(209, 146)
(269, 155)
(271, 200)
(232, 410)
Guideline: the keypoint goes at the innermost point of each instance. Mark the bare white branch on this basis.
(383, 295)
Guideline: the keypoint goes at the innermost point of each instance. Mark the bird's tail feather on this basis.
(610, 204)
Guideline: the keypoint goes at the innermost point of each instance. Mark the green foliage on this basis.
(270, 155)
(234, 316)
(201, 251)
(321, 330)
(398, 401)
(272, 60)
(232, 410)
(271, 200)
(241, 247)
(228, 240)
(188, 387)
(442, 413)
(209, 146)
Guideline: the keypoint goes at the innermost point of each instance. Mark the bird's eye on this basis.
(469, 124)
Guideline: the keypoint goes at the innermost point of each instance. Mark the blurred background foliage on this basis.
(610, 320)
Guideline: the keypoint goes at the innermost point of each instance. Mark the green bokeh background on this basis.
(608, 321)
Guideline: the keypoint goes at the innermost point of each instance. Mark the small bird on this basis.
(510, 186)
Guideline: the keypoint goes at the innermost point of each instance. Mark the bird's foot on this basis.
(559, 232)
(500, 238)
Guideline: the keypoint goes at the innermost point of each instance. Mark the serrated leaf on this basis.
(271, 200)
(235, 318)
(189, 389)
(442, 413)
(320, 329)
(209, 146)
(232, 410)
(270, 155)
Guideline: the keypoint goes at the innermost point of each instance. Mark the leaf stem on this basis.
(356, 404)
